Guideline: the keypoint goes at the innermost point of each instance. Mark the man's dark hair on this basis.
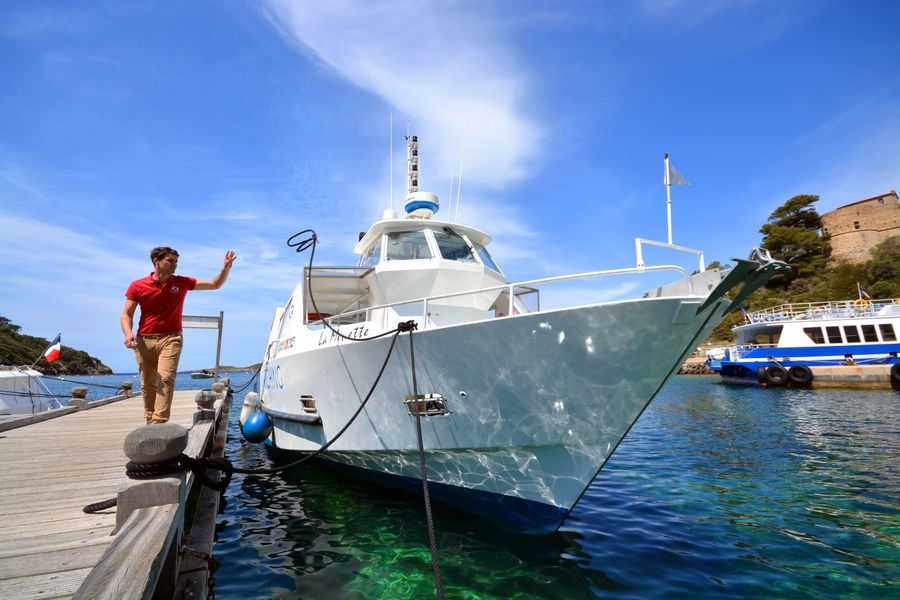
(161, 251)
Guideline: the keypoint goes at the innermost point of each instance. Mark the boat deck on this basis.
(49, 471)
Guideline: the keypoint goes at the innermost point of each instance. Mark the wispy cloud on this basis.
(452, 75)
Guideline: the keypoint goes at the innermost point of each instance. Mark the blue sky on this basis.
(214, 125)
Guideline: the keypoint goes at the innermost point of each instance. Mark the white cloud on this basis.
(444, 67)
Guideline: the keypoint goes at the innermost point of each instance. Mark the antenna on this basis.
(462, 154)
(412, 164)
(391, 159)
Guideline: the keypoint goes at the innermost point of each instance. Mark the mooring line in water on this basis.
(432, 541)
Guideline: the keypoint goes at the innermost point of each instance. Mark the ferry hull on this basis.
(538, 402)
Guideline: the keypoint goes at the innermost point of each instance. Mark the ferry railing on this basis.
(738, 351)
(841, 309)
(513, 291)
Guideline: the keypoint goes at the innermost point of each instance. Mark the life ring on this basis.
(861, 304)
(775, 375)
(800, 375)
(895, 374)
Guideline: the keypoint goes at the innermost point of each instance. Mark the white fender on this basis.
(251, 401)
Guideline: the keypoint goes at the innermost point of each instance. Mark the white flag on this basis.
(674, 177)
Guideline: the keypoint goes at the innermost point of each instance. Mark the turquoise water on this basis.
(718, 492)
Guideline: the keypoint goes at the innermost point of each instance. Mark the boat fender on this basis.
(775, 375)
(895, 374)
(761, 374)
(251, 401)
(800, 375)
(258, 427)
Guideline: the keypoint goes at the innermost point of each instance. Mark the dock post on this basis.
(150, 444)
(127, 388)
(79, 397)
(205, 401)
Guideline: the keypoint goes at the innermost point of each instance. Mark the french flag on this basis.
(52, 353)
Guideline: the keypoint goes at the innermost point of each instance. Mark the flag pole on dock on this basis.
(52, 351)
(670, 178)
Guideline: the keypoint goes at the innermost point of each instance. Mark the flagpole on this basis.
(53, 341)
(668, 183)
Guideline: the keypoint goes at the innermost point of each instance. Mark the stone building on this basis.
(858, 227)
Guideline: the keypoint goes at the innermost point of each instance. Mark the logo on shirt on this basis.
(175, 289)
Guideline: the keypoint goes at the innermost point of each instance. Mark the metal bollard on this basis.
(127, 388)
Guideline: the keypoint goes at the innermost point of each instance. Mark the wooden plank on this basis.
(48, 472)
(43, 587)
(130, 566)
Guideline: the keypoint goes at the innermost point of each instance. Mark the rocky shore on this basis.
(695, 366)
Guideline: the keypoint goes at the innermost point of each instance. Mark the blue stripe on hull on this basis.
(814, 352)
(509, 513)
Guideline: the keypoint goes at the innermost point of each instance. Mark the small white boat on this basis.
(521, 404)
(203, 374)
(22, 392)
(782, 345)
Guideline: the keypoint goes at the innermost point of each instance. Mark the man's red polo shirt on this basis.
(161, 303)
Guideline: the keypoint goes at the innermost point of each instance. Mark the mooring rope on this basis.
(102, 385)
(432, 540)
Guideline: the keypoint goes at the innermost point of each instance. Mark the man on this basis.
(157, 345)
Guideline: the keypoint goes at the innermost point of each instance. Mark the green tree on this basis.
(882, 271)
(792, 235)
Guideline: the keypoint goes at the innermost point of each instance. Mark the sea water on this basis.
(717, 492)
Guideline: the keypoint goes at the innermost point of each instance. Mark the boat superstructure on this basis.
(522, 403)
(810, 334)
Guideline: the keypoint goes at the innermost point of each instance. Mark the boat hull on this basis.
(538, 403)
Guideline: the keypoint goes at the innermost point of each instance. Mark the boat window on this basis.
(851, 333)
(815, 334)
(373, 255)
(407, 245)
(453, 246)
(485, 257)
(887, 332)
(769, 337)
(869, 333)
(834, 335)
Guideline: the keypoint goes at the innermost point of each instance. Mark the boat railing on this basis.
(738, 351)
(511, 291)
(815, 311)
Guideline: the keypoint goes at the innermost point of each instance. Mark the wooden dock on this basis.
(50, 470)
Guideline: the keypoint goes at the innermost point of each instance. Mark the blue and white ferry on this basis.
(780, 345)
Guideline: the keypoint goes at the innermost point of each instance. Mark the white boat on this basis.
(783, 344)
(521, 404)
(22, 392)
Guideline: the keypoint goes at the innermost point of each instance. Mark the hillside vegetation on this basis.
(793, 234)
(17, 349)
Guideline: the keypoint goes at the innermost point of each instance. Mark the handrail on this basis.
(819, 310)
(511, 288)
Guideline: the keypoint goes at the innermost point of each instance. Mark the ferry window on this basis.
(887, 332)
(869, 333)
(372, 255)
(485, 257)
(815, 334)
(453, 246)
(851, 333)
(834, 335)
(407, 245)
